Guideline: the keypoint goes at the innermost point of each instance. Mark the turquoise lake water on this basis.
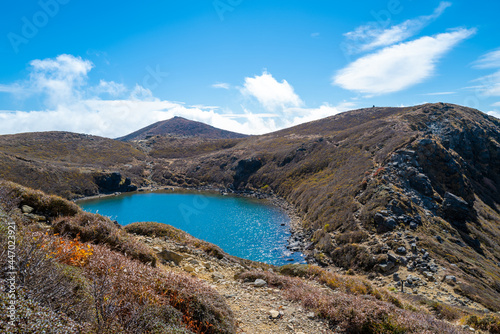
(243, 227)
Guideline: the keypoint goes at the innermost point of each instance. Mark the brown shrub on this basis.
(101, 230)
(490, 323)
(153, 229)
(353, 256)
(349, 313)
(47, 205)
(127, 292)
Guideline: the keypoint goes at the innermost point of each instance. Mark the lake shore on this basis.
(299, 241)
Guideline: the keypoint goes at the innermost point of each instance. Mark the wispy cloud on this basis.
(400, 66)
(222, 85)
(488, 60)
(110, 87)
(315, 35)
(440, 93)
(270, 93)
(371, 36)
(488, 85)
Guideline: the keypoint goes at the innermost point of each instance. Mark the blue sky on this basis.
(111, 67)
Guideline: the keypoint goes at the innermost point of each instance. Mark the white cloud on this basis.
(494, 113)
(489, 60)
(496, 104)
(74, 105)
(221, 85)
(440, 93)
(315, 35)
(270, 93)
(59, 78)
(399, 66)
(489, 85)
(372, 35)
(110, 87)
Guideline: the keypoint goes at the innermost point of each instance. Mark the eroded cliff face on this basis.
(442, 187)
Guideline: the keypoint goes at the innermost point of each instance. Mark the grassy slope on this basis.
(63, 163)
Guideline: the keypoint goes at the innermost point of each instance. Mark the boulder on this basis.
(401, 250)
(167, 255)
(189, 269)
(421, 183)
(450, 279)
(112, 182)
(384, 224)
(259, 283)
(26, 209)
(455, 207)
(217, 276)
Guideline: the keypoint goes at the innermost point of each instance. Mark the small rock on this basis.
(189, 268)
(193, 261)
(413, 225)
(401, 250)
(311, 315)
(259, 283)
(217, 276)
(429, 276)
(156, 248)
(273, 314)
(450, 279)
(396, 277)
(27, 209)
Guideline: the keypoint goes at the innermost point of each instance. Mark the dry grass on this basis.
(353, 313)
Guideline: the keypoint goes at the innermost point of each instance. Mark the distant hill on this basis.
(65, 163)
(181, 127)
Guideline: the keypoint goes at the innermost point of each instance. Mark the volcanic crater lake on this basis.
(244, 227)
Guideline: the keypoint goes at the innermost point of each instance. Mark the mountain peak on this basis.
(181, 127)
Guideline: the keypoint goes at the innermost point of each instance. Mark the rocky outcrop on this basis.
(113, 182)
(245, 169)
(456, 208)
